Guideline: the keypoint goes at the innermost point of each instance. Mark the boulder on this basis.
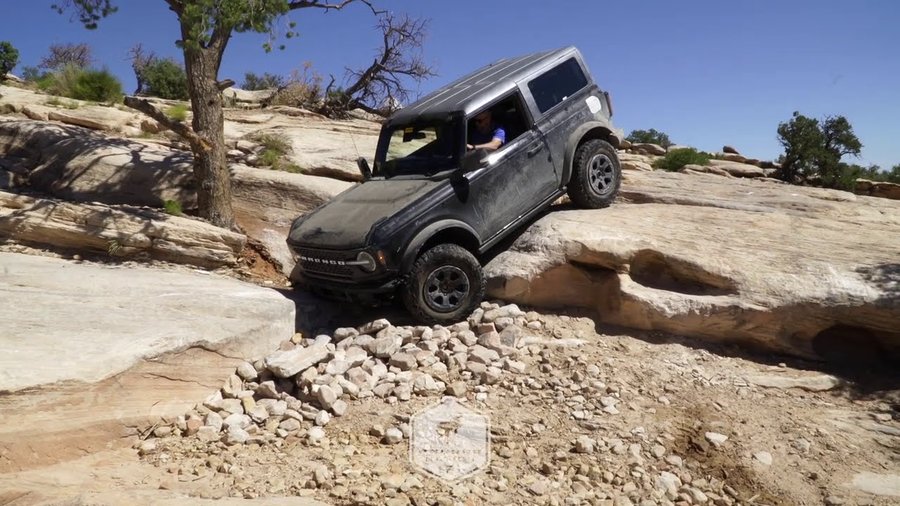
(881, 189)
(805, 271)
(632, 161)
(730, 149)
(738, 169)
(647, 148)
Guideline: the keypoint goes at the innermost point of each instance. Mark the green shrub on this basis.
(178, 112)
(675, 160)
(68, 104)
(97, 85)
(9, 58)
(165, 78)
(266, 81)
(649, 136)
(60, 82)
(82, 84)
(173, 207)
(275, 147)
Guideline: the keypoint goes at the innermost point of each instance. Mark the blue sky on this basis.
(707, 72)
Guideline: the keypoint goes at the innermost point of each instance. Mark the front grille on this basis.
(326, 263)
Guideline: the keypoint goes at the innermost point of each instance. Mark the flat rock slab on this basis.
(805, 271)
(90, 348)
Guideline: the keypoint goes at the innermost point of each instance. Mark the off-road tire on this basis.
(596, 175)
(444, 285)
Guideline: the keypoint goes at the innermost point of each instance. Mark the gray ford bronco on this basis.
(428, 208)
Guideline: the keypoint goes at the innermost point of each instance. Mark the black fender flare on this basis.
(589, 130)
(413, 247)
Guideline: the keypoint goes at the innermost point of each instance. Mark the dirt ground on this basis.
(648, 403)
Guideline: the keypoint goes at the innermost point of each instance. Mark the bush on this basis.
(177, 112)
(165, 78)
(649, 136)
(97, 85)
(275, 147)
(266, 81)
(675, 160)
(9, 58)
(60, 82)
(173, 207)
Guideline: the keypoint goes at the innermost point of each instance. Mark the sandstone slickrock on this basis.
(133, 351)
(76, 164)
(118, 231)
(806, 271)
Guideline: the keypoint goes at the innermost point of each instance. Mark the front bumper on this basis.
(369, 293)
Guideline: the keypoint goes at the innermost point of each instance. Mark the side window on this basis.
(508, 115)
(557, 84)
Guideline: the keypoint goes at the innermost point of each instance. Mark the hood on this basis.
(345, 222)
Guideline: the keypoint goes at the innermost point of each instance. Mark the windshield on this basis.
(423, 148)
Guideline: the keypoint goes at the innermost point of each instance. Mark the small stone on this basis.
(214, 420)
(316, 434)
(147, 447)
(393, 436)
(236, 436)
(208, 433)
(375, 326)
(344, 333)
(267, 390)
(483, 355)
(539, 487)
(457, 389)
(674, 460)
(259, 414)
(764, 458)
(716, 439)
(403, 361)
(377, 431)
(326, 396)
(162, 431)
(233, 385)
(834, 500)
(492, 376)
(658, 451)
(323, 418)
(584, 444)
(290, 425)
(403, 392)
(339, 408)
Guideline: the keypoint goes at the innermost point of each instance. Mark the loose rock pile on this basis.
(299, 389)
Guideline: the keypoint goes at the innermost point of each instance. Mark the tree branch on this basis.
(303, 4)
(197, 143)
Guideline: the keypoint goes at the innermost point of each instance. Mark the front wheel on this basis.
(444, 285)
(596, 175)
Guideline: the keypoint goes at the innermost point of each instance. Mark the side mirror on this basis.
(472, 160)
(364, 169)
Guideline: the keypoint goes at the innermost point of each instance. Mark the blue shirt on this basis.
(479, 137)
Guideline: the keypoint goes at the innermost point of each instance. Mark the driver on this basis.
(486, 134)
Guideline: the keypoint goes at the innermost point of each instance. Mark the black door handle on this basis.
(535, 150)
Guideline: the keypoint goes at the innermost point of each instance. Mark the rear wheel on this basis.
(444, 285)
(596, 175)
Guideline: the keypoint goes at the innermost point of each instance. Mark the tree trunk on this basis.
(210, 169)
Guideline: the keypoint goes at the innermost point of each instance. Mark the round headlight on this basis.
(366, 261)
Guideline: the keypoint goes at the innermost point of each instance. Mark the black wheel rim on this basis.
(602, 174)
(446, 288)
